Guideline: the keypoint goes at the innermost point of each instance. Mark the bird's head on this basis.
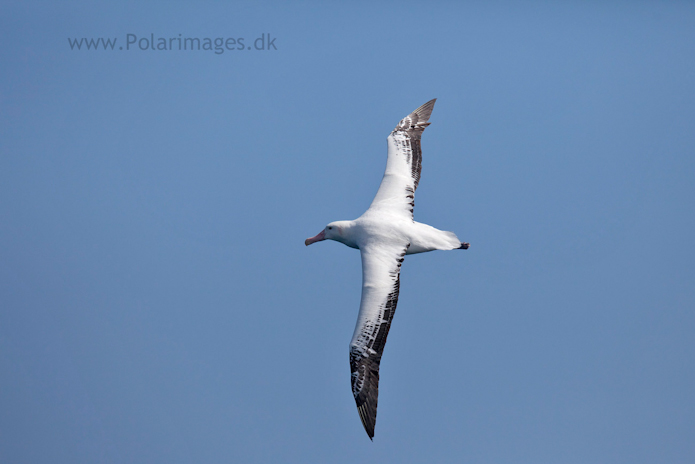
(333, 231)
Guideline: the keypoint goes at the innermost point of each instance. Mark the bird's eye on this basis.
(330, 228)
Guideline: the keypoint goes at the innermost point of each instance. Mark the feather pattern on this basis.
(381, 269)
(396, 194)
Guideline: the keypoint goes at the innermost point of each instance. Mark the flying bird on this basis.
(384, 234)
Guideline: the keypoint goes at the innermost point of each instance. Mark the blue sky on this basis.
(158, 304)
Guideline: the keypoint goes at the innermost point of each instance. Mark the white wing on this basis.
(381, 267)
(396, 193)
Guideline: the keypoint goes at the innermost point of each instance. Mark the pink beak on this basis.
(321, 236)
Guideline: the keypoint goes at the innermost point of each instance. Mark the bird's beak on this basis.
(321, 236)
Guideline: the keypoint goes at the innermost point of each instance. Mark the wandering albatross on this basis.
(384, 234)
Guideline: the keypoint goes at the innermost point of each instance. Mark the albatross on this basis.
(384, 234)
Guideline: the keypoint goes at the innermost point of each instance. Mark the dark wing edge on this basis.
(365, 356)
(412, 127)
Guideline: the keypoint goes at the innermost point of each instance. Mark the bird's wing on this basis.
(396, 193)
(381, 267)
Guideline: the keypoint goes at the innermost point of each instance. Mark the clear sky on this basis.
(157, 302)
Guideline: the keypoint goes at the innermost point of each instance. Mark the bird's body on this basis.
(375, 229)
(384, 234)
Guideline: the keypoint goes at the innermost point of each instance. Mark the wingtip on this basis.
(425, 111)
(366, 422)
(418, 120)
